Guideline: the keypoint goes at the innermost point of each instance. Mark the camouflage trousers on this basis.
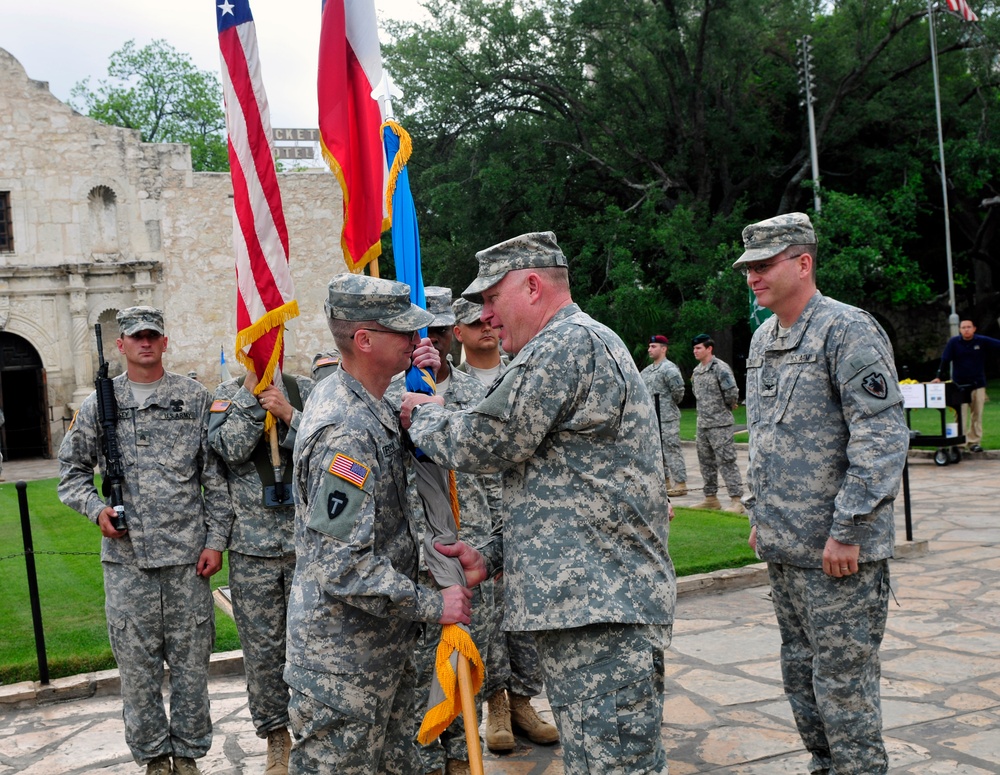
(358, 724)
(831, 630)
(260, 587)
(605, 683)
(155, 616)
(716, 450)
(673, 458)
(451, 744)
(512, 662)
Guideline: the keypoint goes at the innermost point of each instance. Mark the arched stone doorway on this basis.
(23, 397)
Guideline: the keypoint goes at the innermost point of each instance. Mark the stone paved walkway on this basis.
(725, 709)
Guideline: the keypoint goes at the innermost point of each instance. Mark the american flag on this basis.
(265, 297)
(961, 8)
(349, 469)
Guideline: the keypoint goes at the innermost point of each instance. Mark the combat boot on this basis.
(159, 766)
(524, 719)
(679, 491)
(279, 743)
(457, 767)
(736, 505)
(710, 502)
(499, 736)
(184, 765)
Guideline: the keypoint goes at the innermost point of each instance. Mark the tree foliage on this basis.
(647, 133)
(159, 91)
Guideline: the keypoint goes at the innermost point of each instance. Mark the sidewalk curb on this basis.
(27, 694)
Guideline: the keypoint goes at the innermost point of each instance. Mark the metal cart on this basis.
(949, 447)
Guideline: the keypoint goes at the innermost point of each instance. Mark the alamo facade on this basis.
(92, 220)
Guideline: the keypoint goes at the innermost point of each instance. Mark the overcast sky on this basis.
(64, 41)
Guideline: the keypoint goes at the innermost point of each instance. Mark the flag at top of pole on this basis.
(350, 66)
(265, 297)
(961, 8)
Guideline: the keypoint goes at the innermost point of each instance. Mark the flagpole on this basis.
(953, 317)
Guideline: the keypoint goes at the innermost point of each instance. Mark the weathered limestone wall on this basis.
(103, 221)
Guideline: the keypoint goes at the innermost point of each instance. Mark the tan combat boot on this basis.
(736, 506)
(499, 736)
(710, 502)
(184, 765)
(159, 766)
(279, 744)
(524, 718)
(679, 491)
(457, 767)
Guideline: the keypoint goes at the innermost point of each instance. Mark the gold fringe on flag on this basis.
(437, 719)
(276, 318)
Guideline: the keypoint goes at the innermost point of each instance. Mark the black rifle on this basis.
(107, 416)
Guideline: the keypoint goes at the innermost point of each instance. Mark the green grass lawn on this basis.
(71, 588)
(702, 541)
(927, 421)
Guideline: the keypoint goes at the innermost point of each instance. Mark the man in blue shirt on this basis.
(966, 354)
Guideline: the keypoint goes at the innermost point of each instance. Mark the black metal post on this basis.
(29, 561)
(906, 500)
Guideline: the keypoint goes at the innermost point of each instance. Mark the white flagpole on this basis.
(953, 317)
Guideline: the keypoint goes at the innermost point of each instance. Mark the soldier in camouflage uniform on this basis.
(513, 670)
(158, 598)
(261, 545)
(827, 446)
(666, 385)
(717, 393)
(355, 605)
(586, 518)
(479, 502)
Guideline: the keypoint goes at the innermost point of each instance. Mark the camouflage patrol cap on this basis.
(439, 305)
(135, 319)
(768, 238)
(466, 312)
(534, 250)
(359, 297)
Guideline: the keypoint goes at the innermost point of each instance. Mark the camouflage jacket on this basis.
(235, 431)
(827, 435)
(664, 379)
(716, 391)
(572, 427)
(355, 536)
(176, 501)
(478, 495)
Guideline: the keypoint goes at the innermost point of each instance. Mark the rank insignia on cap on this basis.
(349, 470)
(875, 385)
(220, 405)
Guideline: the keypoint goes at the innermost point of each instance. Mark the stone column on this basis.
(81, 342)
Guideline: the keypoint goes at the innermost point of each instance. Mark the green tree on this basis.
(159, 91)
(647, 133)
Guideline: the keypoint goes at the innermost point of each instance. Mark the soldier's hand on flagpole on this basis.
(472, 561)
(426, 357)
(274, 401)
(250, 380)
(457, 605)
(411, 400)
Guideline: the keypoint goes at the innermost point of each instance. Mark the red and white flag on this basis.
(350, 120)
(961, 8)
(265, 297)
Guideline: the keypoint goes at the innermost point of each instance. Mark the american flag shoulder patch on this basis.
(220, 405)
(349, 470)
